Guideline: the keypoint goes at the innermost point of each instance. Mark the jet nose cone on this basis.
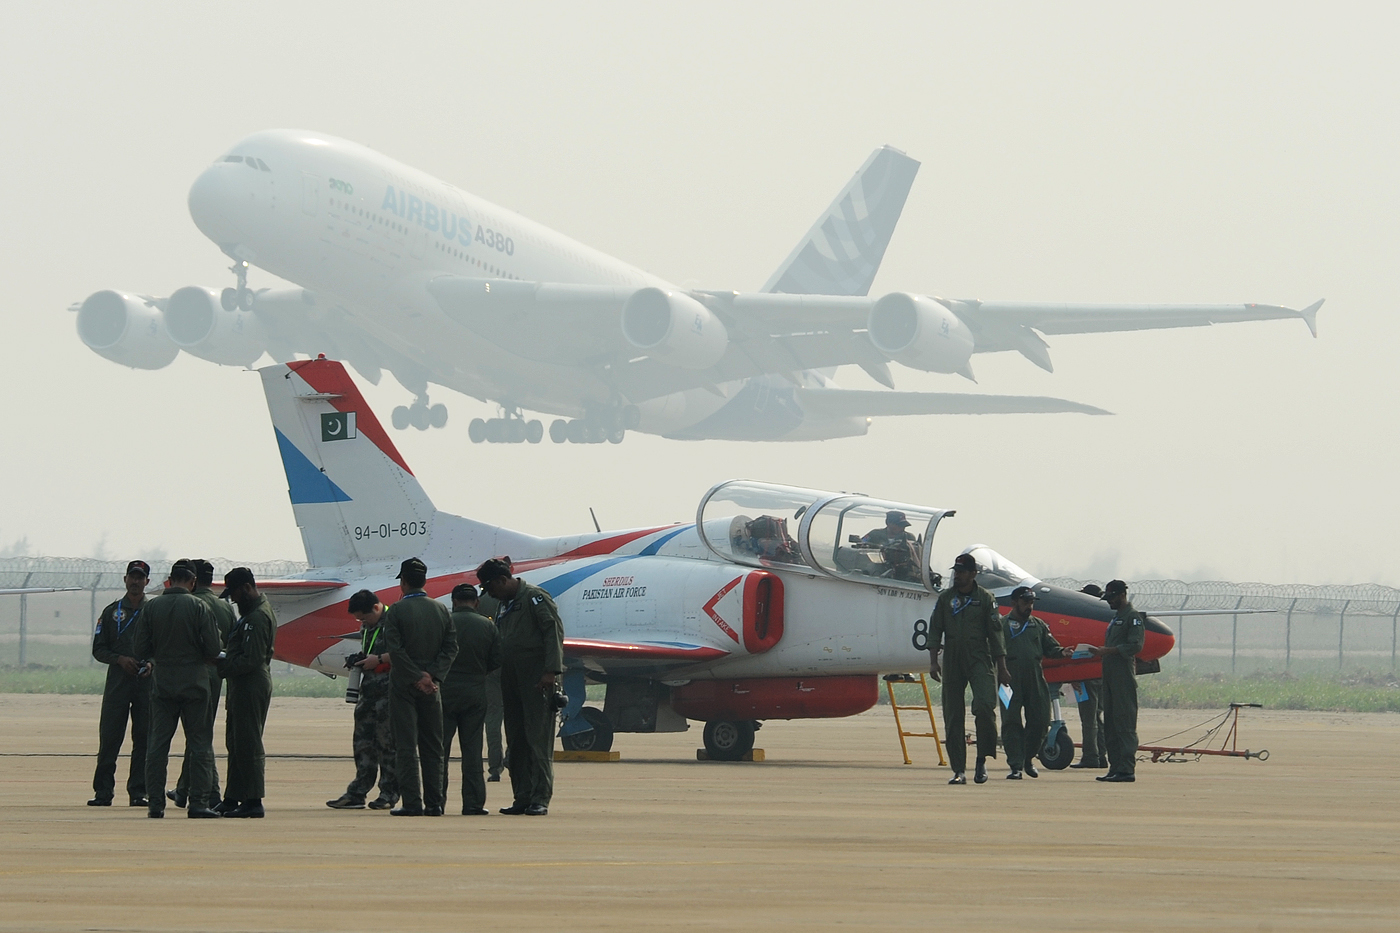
(213, 198)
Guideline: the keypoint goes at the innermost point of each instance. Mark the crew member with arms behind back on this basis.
(1124, 639)
(421, 642)
(127, 692)
(178, 634)
(966, 626)
(532, 658)
(464, 699)
(247, 670)
(224, 618)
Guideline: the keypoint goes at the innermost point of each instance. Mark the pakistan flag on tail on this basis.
(338, 426)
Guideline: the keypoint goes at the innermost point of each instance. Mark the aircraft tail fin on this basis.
(842, 252)
(353, 495)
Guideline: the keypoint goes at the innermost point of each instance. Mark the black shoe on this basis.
(248, 810)
(156, 814)
(493, 779)
(475, 811)
(1031, 772)
(406, 811)
(202, 813)
(225, 807)
(432, 811)
(1014, 776)
(515, 809)
(214, 800)
(346, 802)
(177, 797)
(381, 803)
(958, 778)
(1086, 763)
(979, 775)
(1117, 778)
(138, 802)
(100, 802)
(537, 809)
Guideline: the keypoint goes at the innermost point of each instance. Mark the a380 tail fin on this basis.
(842, 252)
(355, 499)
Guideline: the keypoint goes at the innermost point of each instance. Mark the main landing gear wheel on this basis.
(597, 739)
(1057, 754)
(420, 415)
(505, 431)
(729, 741)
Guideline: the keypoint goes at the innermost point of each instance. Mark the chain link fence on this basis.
(1312, 628)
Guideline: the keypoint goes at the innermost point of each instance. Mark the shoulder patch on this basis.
(536, 601)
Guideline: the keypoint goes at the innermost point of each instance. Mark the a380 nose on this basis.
(214, 202)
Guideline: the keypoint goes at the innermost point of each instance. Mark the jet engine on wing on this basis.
(199, 325)
(126, 329)
(673, 328)
(920, 333)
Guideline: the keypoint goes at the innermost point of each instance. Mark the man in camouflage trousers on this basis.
(373, 739)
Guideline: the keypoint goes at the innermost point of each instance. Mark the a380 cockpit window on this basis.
(233, 158)
(256, 164)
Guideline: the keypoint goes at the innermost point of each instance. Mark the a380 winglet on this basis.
(1309, 315)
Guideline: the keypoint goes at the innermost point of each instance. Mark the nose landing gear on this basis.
(241, 297)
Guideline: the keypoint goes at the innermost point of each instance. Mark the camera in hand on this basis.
(143, 668)
(557, 700)
(352, 659)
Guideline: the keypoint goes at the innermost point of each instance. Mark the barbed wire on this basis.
(1361, 599)
(89, 573)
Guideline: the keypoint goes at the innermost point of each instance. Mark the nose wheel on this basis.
(241, 297)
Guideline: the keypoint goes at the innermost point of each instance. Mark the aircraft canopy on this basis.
(841, 535)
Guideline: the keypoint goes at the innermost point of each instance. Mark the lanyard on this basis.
(961, 602)
(1024, 625)
(411, 595)
(371, 636)
(117, 618)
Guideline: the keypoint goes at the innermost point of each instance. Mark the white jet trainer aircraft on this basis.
(769, 606)
(402, 272)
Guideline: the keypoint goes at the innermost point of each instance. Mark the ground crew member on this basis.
(495, 709)
(373, 740)
(246, 668)
(532, 658)
(421, 642)
(1091, 745)
(1028, 642)
(126, 693)
(1123, 641)
(177, 632)
(967, 628)
(224, 618)
(464, 699)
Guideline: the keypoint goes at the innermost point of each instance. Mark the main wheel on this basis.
(400, 418)
(729, 741)
(477, 430)
(559, 430)
(1058, 754)
(597, 739)
(534, 431)
(437, 415)
(418, 417)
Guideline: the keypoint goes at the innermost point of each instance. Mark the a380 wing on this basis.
(844, 403)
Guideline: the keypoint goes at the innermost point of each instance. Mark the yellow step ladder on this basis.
(927, 707)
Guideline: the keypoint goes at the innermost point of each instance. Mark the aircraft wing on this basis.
(841, 403)
(25, 590)
(1059, 318)
(639, 656)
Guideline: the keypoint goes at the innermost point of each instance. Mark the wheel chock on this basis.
(755, 755)
(561, 755)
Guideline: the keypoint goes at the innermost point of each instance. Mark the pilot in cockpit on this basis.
(898, 548)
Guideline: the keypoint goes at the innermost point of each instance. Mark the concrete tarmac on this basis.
(831, 832)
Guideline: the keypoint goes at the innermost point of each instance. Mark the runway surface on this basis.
(831, 832)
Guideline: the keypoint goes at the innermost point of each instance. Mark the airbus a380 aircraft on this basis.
(768, 606)
(402, 272)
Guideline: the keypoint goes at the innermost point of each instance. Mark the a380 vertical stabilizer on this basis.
(842, 252)
(353, 495)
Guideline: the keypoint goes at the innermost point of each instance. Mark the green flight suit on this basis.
(968, 628)
(495, 708)
(122, 695)
(1126, 634)
(1026, 646)
(224, 617)
(532, 645)
(464, 700)
(246, 668)
(419, 637)
(1092, 751)
(177, 632)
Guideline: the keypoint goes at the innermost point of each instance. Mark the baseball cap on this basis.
(463, 592)
(139, 566)
(965, 562)
(1112, 587)
(412, 565)
(1023, 592)
(236, 578)
(894, 517)
(493, 569)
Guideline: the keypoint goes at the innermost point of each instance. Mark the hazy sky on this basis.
(1202, 153)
